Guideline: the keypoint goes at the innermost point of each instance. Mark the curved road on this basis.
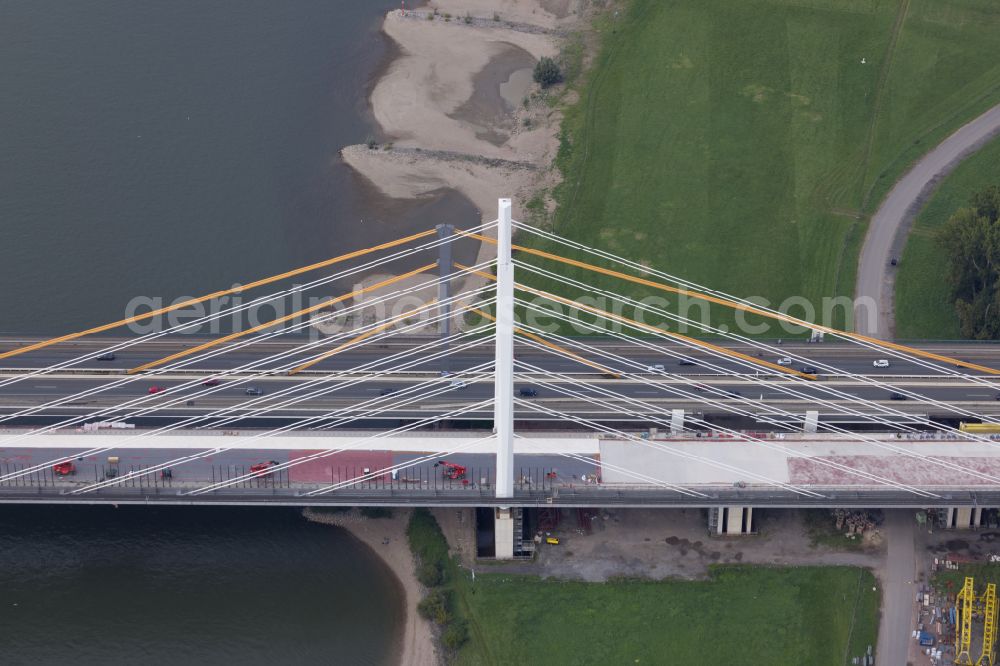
(874, 309)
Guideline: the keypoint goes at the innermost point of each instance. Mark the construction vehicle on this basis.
(980, 428)
(453, 471)
(263, 467)
(64, 469)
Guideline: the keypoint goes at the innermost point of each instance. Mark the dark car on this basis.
(734, 394)
(253, 390)
(527, 392)
(210, 382)
(388, 390)
(897, 396)
(109, 356)
(686, 361)
(808, 369)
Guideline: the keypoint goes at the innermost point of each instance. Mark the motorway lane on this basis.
(34, 391)
(847, 358)
(647, 386)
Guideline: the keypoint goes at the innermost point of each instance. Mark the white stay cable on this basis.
(639, 404)
(329, 452)
(118, 443)
(176, 462)
(603, 464)
(726, 406)
(598, 427)
(870, 381)
(873, 345)
(395, 468)
(239, 370)
(750, 379)
(225, 312)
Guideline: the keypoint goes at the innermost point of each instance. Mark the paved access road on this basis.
(897, 588)
(890, 225)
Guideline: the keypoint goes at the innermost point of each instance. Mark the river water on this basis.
(164, 149)
(189, 585)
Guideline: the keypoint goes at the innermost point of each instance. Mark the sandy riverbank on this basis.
(453, 108)
(387, 539)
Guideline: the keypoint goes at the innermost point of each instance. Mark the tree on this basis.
(971, 242)
(434, 606)
(547, 72)
(429, 574)
(455, 635)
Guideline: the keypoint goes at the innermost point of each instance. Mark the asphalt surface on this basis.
(202, 467)
(891, 223)
(101, 387)
(898, 590)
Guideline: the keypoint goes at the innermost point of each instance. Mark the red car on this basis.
(64, 468)
(156, 389)
(263, 467)
(210, 382)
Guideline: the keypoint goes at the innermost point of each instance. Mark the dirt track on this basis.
(891, 223)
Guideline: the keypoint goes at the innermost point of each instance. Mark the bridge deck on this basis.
(550, 468)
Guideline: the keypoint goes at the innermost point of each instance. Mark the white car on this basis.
(784, 360)
(656, 367)
(881, 363)
(458, 383)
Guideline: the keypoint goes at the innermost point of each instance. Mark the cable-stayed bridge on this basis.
(439, 382)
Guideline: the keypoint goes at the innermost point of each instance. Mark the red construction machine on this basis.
(453, 471)
(263, 467)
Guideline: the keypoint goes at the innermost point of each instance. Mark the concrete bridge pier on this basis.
(811, 423)
(731, 520)
(676, 421)
(963, 517)
(504, 533)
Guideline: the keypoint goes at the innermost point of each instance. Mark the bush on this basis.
(426, 539)
(429, 574)
(455, 635)
(547, 72)
(434, 607)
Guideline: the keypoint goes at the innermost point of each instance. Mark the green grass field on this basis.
(923, 307)
(741, 144)
(743, 615)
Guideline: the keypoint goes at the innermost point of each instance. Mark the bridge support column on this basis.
(504, 534)
(676, 421)
(811, 424)
(503, 400)
(963, 517)
(733, 520)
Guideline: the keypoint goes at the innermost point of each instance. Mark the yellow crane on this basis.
(963, 627)
(988, 656)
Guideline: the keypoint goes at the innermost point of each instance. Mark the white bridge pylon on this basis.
(503, 402)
